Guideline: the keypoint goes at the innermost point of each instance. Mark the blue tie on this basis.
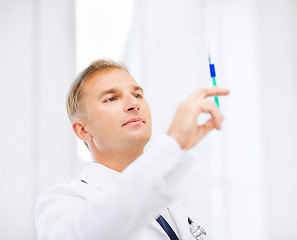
(164, 224)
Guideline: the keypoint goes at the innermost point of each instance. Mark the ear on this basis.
(79, 127)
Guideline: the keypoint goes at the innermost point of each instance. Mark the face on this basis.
(117, 112)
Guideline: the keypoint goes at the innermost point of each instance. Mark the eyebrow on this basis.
(108, 91)
(137, 88)
(116, 90)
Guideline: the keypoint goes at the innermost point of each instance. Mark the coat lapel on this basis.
(153, 231)
(157, 226)
(178, 213)
(180, 218)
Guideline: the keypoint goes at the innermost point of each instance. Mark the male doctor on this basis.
(125, 193)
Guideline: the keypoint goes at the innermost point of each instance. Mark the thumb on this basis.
(206, 127)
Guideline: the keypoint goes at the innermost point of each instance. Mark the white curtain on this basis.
(37, 65)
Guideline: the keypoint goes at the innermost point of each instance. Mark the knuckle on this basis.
(184, 106)
(201, 92)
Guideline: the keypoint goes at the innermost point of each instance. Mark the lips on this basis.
(133, 120)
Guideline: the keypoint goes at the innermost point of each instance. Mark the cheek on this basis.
(104, 117)
(147, 111)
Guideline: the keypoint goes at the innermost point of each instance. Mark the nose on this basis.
(132, 104)
(132, 108)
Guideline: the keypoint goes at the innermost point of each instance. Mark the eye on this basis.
(111, 99)
(137, 96)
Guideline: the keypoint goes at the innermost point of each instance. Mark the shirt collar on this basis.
(99, 175)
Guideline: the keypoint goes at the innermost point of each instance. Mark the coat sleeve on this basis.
(120, 210)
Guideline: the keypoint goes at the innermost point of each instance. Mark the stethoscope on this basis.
(197, 232)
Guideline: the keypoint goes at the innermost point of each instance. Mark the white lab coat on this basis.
(112, 205)
(154, 231)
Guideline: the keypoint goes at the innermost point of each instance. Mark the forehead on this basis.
(110, 78)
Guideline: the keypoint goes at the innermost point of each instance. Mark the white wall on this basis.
(37, 64)
(278, 60)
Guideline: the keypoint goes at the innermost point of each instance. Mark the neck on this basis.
(116, 159)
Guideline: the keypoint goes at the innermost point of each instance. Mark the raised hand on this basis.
(184, 126)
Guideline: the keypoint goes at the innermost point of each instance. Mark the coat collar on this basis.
(99, 175)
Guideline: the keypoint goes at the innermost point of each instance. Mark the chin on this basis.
(142, 139)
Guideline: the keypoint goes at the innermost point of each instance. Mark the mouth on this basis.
(133, 121)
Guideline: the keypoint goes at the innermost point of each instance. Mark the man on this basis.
(120, 195)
